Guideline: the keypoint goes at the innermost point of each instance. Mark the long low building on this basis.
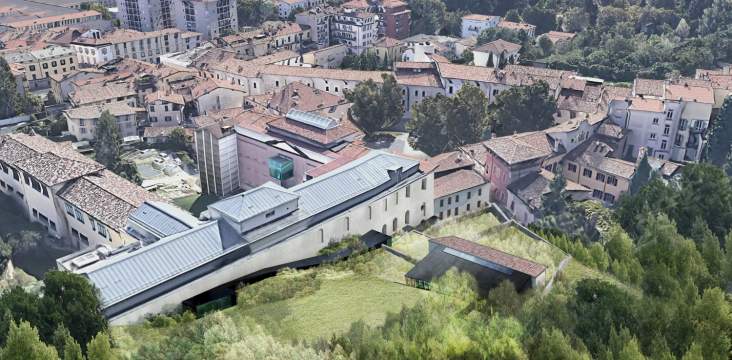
(258, 229)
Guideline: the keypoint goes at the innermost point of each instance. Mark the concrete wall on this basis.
(219, 99)
(254, 167)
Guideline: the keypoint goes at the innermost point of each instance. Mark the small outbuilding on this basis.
(489, 266)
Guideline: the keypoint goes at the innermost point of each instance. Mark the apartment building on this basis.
(271, 37)
(210, 18)
(164, 108)
(103, 93)
(389, 50)
(397, 19)
(39, 65)
(357, 30)
(286, 7)
(526, 195)
(98, 48)
(668, 119)
(474, 24)
(55, 21)
(458, 188)
(75, 198)
(591, 166)
(82, 121)
(145, 16)
(318, 20)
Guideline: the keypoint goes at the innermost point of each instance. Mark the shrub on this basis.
(287, 284)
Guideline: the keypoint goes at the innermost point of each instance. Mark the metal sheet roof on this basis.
(312, 119)
(158, 220)
(139, 270)
(348, 181)
(246, 205)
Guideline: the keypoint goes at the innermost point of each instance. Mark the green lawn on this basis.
(195, 203)
(332, 308)
(366, 287)
(482, 229)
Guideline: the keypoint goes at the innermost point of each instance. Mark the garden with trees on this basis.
(616, 40)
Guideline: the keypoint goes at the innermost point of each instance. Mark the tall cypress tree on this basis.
(720, 139)
(642, 175)
(108, 141)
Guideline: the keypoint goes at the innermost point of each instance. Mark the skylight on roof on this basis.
(312, 119)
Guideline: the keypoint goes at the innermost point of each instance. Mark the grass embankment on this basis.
(195, 203)
(482, 228)
(366, 287)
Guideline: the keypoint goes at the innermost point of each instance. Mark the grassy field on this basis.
(366, 287)
(195, 203)
(482, 229)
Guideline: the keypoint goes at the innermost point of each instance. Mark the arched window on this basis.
(322, 236)
(348, 223)
(424, 209)
(394, 224)
(406, 218)
(383, 229)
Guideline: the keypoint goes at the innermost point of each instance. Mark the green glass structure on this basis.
(280, 167)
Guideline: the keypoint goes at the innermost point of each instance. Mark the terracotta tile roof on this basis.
(52, 169)
(478, 17)
(478, 152)
(248, 119)
(106, 197)
(101, 92)
(17, 147)
(208, 85)
(498, 46)
(532, 187)
(515, 26)
(439, 58)
(690, 93)
(272, 58)
(610, 130)
(348, 75)
(457, 181)
(386, 42)
(54, 18)
(491, 255)
(355, 4)
(323, 137)
(350, 153)
(446, 162)
(426, 79)
(119, 36)
(595, 154)
(646, 104)
(648, 87)
(522, 147)
(297, 95)
(556, 36)
(95, 111)
(165, 96)
(467, 72)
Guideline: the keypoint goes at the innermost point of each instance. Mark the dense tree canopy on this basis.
(12, 102)
(376, 106)
(255, 12)
(108, 141)
(443, 123)
(523, 108)
(68, 300)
